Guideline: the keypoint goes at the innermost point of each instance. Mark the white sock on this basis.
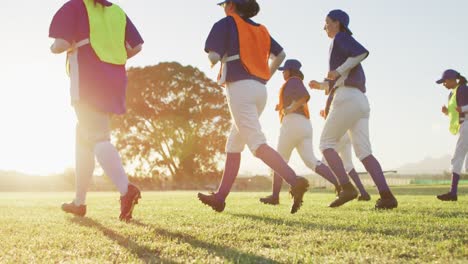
(84, 168)
(109, 158)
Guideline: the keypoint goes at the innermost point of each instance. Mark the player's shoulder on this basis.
(74, 3)
(343, 37)
(294, 83)
(225, 21)
(70, 8)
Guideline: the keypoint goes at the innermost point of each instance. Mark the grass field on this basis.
(174, 227)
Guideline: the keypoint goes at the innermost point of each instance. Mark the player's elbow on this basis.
(131, 52)
(60, 46)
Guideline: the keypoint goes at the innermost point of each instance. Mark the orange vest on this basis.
(280, 105)
(254, 48)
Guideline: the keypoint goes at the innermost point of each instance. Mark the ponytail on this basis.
(102, 2)
(248, 9)
(296, 73)
(461, 80)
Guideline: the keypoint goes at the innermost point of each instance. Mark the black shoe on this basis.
(338, 190)
(364, 197)
(348, 193)
(297, 192)
(448, 197)
(72, 208)
(270, 200)
(128, 202)
(386, 203)
(212, 201)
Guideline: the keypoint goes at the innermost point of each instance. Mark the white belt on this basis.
(230, 58)
(82, 43)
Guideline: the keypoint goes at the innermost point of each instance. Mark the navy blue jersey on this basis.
(344, 47)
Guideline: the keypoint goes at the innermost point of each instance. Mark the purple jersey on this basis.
(293, 91)
(99, 84)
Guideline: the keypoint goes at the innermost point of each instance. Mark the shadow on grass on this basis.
(305, 225)
(413, 190)
(448, 215)
(144, 253)
(227, 253)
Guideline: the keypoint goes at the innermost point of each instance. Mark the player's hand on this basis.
(459, 110)
(445, 110)
(213, 64)
(314, 85)
(72, 47)
(333, 75)
(287, 111)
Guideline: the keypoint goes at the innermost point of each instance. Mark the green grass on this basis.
(174, 227)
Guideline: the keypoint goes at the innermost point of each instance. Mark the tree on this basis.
(176, 123)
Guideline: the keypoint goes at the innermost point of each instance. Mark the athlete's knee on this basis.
(231, 148)
(327, 144)
(312, 164)
(234, 145)
(85, 138)
(260, 150)
(456, 165)
(328, 151)
(256, 143)
(362, 154)
(348, 167)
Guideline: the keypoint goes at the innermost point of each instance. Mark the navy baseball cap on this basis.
(235, 1)
(291, 65)
(342, 17)
(448, 74)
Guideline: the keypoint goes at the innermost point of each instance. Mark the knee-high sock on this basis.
(109, 159)
(455, 180)
(231, 169)
(277, 183)
(375, 170)
(84, 168)
(357, 181)
(324, 171)
(336, 164)
(274, 160)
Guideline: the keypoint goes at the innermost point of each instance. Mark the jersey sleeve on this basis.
(349, 45)
(64, 23)
(218, 37)
(275, 47)
(132, 36)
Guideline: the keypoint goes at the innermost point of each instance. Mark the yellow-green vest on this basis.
(453, 114)
(107, 26)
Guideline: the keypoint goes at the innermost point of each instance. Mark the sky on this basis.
(410, 42)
